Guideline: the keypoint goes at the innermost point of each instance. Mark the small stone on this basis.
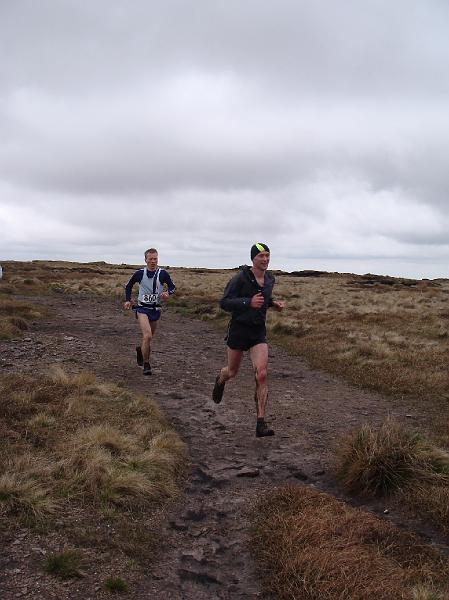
(196, 554)
(197, 533)
(178, 525)
(202, 577)
(299, 475)
(195, 515)
(248, 472)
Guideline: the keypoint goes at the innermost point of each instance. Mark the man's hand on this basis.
(127, 305)
(164, 295)
(278, 305)
(257, 300)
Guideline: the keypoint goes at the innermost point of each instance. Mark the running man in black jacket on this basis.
(247, 296)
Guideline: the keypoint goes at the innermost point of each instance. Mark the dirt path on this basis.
(205, 555)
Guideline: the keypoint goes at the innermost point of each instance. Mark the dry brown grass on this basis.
(390, 335)
(309, 545)
(378, 462)
(72, 443)
(43, 277)
(15, 317)
(394, 461)
(391, 338)
(118, 457)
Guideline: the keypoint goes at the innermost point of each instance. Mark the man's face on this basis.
(151, 260)
(262, 260)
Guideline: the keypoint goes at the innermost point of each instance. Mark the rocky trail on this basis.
(205, 555)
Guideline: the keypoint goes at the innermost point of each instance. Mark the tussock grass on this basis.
(309, 545)
(23, 494)
(387, 334)
(394, 461)
(43, 277)
(65, 564)
(429, 501)
(377, 462)
(391, 338)
(383, 333)
(15, 317)
(116, 584)
(73, 443)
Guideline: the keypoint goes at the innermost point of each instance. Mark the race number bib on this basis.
(149, 298)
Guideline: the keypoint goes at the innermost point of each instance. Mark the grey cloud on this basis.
(319, 127)
(298, 45)
(124, 150)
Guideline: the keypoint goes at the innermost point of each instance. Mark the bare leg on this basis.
(259, 358)
(148, 329)
(226, 373)
(232, 368)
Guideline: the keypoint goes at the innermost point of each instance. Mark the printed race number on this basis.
(150, 298)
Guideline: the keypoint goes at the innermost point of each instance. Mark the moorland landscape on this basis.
(116, 484)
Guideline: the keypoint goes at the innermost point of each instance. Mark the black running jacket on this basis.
(238, 293)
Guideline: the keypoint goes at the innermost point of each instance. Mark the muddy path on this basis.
(205, 554)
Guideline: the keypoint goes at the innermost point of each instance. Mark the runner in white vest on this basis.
(154, 285)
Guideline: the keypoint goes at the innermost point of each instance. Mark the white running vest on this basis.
(150, 289)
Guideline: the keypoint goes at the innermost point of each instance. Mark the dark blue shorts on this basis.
(153, 314)
(243, 337)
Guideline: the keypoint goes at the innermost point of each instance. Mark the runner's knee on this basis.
(147, 336)
(261, 375)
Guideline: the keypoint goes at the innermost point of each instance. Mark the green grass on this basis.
(65, 565)
(116, 585)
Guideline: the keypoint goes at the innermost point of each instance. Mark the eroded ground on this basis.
(204, 552)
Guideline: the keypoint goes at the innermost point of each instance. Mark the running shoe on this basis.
(146, 369)
(262, 429)
(139, 356)
(217, 392)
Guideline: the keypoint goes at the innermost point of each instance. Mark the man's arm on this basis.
(135, 278)
(171, 288)
(231, 300)
(276, 304)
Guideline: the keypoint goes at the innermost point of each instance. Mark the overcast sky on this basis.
(200, 127)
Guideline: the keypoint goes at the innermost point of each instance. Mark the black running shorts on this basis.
(243, 337)
(153, 314)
